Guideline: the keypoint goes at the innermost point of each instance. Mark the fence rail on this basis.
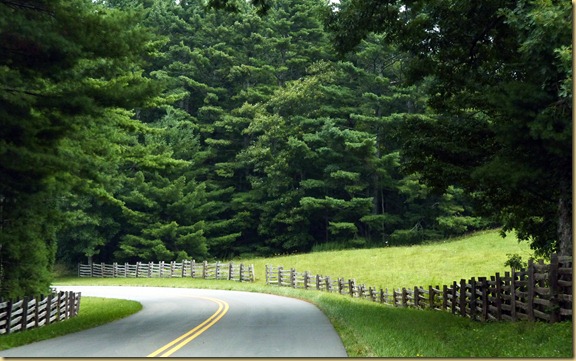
(33, 312)
(205, 270)
(540, 292)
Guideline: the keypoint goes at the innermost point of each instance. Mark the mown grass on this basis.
(374, 330)
(481, 254)
(94, 312)
(369, 329)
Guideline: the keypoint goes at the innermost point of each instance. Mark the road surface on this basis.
(197, 323)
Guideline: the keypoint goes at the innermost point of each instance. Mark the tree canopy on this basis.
(64, 69)
(148, 130)
(500, 87)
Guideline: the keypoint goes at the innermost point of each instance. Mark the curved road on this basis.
(198, 323)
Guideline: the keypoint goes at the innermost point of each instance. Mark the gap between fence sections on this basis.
(540, 292)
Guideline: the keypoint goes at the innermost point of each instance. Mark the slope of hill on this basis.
(481, 254)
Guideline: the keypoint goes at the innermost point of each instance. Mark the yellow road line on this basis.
(178, 343)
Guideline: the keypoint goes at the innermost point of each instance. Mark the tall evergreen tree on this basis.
(499, 73)
(63, 67)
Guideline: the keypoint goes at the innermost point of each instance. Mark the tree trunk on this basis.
(565, 221)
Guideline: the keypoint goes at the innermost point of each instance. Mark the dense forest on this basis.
(146, 130)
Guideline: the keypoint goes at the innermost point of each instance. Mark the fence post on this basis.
(351, 286)
(431, 294)
(404, 297)
(484, 297)
(454, 297)
(328, 283)
(554, 289)
(318, 282)
(9, 316)
(293, 278)
(416, 296)
(498, 280)
(193, 269)
(37, 311)
(513, 295)
(23, 321)
(77, 307)
(383, 296)
(463, 297)
(372, 293)
(66, 296)
(69, 304)
(48, 308)
(473, 297)
(204, 269)
(444, 297)
(280, 268)
(530, 290)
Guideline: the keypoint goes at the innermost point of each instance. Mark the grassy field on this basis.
(482, 254)
(374, 330)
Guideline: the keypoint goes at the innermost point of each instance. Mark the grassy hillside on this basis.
(482, 254)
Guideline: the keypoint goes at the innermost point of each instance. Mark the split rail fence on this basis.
(540, 292)
(205, 270)
(33, 312)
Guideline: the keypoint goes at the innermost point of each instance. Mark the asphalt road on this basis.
(198, 323)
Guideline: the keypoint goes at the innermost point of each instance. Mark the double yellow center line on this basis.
(178, 343)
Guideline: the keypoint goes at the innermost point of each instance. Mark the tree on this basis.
(499, 76)
(63, 67)
(162, 201)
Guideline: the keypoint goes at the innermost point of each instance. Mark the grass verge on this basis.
(94, 312)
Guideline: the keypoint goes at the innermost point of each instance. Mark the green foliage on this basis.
(164, 130)
(65, 67)
(497, 75)
(515, 262)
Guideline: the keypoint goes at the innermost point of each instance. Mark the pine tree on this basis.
(64, 66)
(498, 71)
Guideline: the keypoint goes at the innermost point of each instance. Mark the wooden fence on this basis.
(205, 270)
(32, 312)
(540, 292)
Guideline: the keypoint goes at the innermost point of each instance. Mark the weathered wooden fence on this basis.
(205, 270)
(32, 312)
(540, 292)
